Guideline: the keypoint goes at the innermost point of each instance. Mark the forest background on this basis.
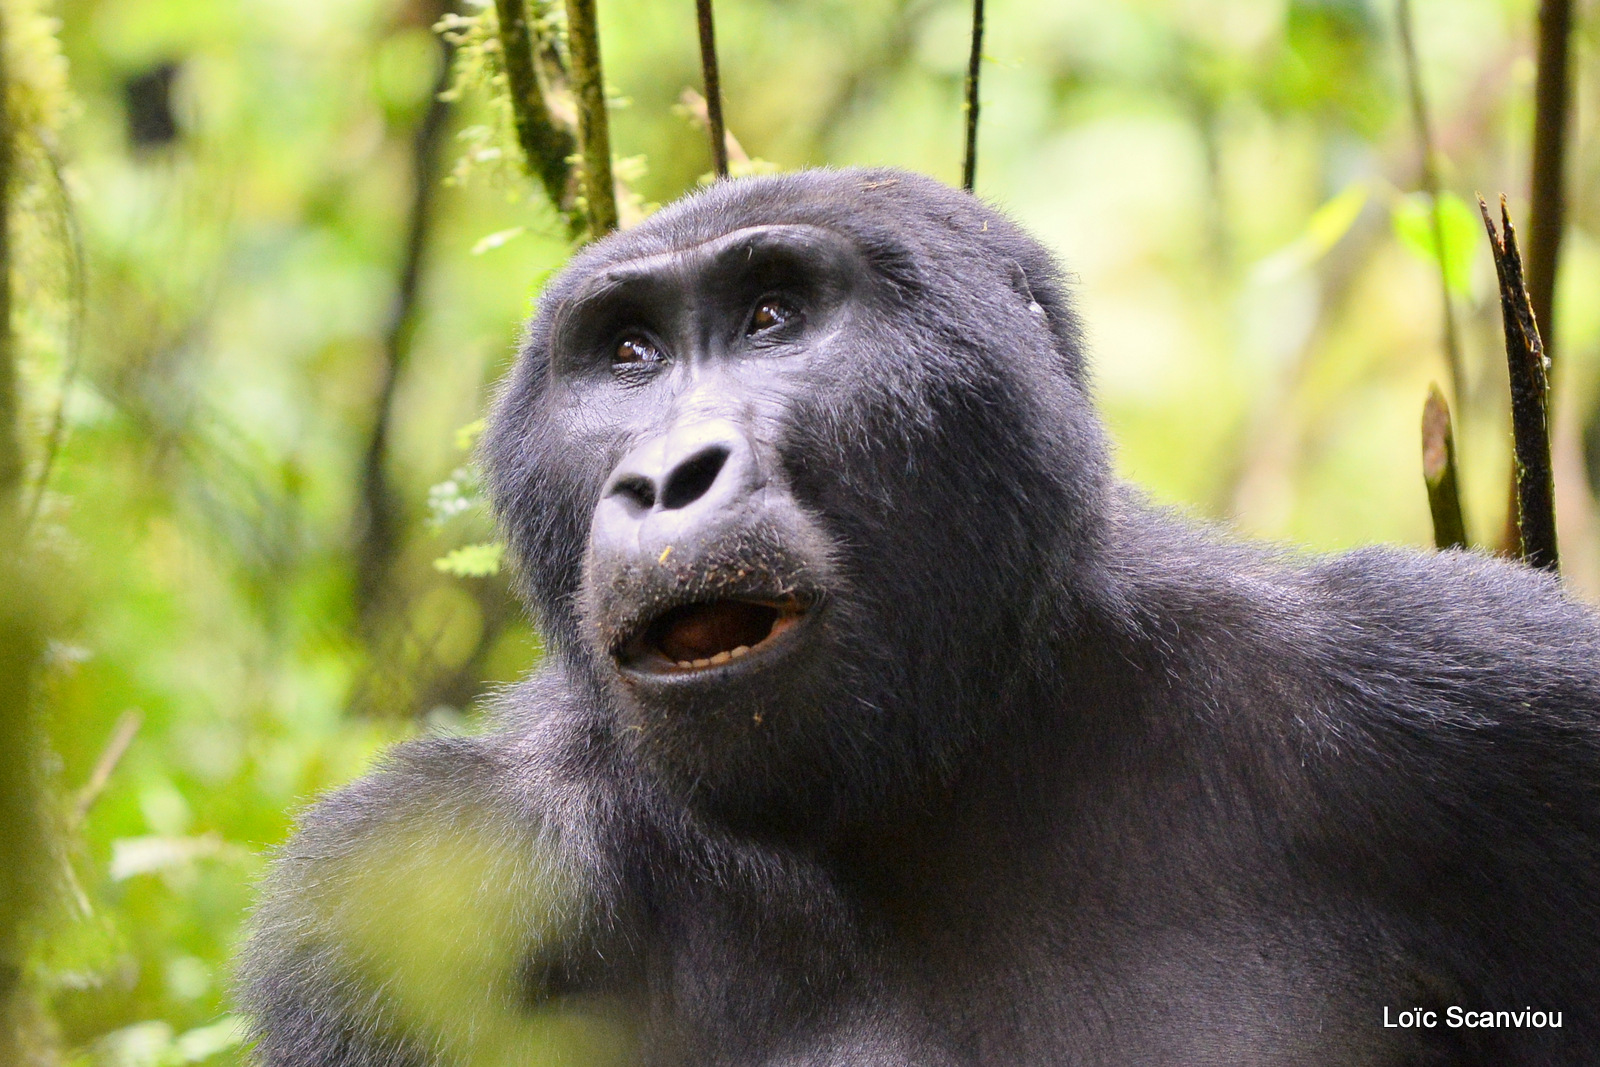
(268, 258)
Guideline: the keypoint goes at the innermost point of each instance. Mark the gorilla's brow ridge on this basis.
(613, 276)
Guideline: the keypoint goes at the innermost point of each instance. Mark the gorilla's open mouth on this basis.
(699, 636)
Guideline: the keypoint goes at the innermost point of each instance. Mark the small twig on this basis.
(546, 144)
(594, 136)
(1439, 472)
(695, 104)
(1530, 398)
(713, 83)
(1547, 203)
(1430, 185)
(122, 736)
(969, 166)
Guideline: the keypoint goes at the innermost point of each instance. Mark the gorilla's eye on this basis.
(770, 314)
(635, 349)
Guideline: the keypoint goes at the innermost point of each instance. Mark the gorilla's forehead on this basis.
(867, 209)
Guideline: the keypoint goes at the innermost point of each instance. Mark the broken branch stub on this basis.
(1530, 397)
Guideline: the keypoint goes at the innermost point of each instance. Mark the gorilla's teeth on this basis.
(721, 657)
(701, 663)
(685, 664)
(741, 650)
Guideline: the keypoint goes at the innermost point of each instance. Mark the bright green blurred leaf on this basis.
(152, 1043)
(1325, 228)
(1463, 231)
(473, 561)
(467, 436)
(132, 856)
(203, 1042)
(498, 238)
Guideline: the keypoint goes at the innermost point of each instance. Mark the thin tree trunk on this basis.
(594, 132)
(546, 145)
(1547, 207)
(22, 838)
(713, 87)
(378, 539)
(969, 160)
(1547, 195)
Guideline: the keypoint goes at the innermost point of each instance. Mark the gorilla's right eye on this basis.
(636, 349)
(769, 315)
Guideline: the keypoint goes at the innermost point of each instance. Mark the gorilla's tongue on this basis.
(699, 635)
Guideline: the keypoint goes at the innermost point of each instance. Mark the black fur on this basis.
(1045, 775)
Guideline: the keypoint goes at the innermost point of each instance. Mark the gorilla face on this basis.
(712, 461)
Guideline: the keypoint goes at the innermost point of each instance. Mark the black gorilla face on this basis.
(714, 459)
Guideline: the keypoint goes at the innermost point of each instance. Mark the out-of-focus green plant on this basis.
(1462, 232)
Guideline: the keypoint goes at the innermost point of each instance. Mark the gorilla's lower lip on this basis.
(703, 636)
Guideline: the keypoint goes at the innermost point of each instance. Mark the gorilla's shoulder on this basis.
(1463, 615)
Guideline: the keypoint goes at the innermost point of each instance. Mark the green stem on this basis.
(594, 136)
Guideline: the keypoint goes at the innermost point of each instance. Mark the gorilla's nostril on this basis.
(693, 477)
(636, 489)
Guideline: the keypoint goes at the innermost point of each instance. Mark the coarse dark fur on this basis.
(1047, 776)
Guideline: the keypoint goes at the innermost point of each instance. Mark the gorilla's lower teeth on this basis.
(698, 636)
(702, 635)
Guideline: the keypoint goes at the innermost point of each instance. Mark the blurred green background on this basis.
(214, 320)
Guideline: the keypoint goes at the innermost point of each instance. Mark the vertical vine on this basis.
(969, 165)
(713, 86)
(594, 135)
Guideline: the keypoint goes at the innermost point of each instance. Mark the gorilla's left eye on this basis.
(769, 315)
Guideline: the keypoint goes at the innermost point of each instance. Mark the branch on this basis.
(546, 145)
(122, 736)
(713, 83)
(378, 523)
(969, 166)
(1547, 207)
(1530, 398)
(594, 136)
(695, 105)
(1430, 185)
(1439, 472)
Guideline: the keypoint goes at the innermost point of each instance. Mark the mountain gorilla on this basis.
(881, 726)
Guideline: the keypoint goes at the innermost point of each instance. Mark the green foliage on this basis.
(473, 561)
(1418, 229)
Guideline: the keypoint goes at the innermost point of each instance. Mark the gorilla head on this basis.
(797, 473)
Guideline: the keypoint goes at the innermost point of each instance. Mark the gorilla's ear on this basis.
(1019, 282)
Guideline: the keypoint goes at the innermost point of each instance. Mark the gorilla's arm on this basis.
(407, 921)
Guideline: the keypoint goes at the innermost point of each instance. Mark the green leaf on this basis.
(132, 856)
(203, 1042)
(1414, 225)
(1325, 228)
(468, 435)
(473, 561)
(498, 238)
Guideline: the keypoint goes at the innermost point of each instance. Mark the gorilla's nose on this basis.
(679, 486)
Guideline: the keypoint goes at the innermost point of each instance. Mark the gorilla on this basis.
(881, 726)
